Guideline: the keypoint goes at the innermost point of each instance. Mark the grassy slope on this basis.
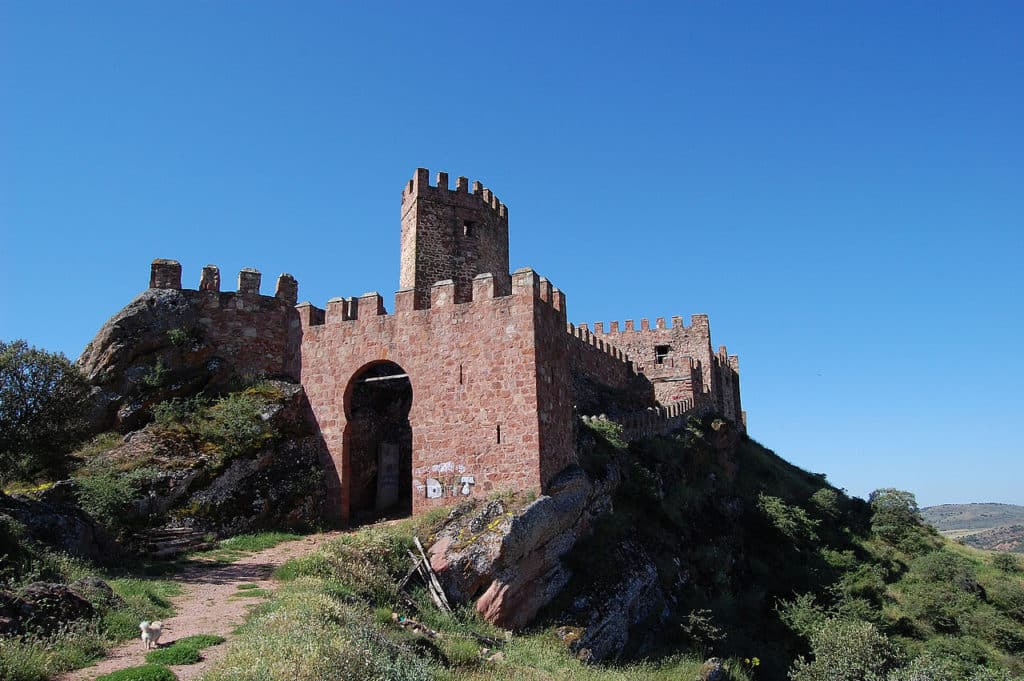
(754, 553)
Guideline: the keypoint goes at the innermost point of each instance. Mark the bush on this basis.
(792, 521)
(1007, 562)
(847, 651)
(42, 409)
(894, 514)
(146, 672)
(106, 496)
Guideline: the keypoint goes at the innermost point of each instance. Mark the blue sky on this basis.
(840, 186)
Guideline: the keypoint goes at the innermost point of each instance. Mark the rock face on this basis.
(509, 563)
(172, 343)
(607, 621)
(282, 487)
(42, 608)
(54, 520)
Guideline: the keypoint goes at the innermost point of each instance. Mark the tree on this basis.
(894, 513)
(847, 650)
(42, 405)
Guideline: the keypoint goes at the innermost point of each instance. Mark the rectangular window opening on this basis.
(661, 353)
(468, 228)
(499, 433)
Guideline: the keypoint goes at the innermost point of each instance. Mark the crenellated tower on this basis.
(452, 234)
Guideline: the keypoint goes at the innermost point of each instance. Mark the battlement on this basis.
(698, 322)
(583, 333)
(166, 274)
(420, 185)
(525, 284)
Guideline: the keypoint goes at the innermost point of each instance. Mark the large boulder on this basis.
(509, 562)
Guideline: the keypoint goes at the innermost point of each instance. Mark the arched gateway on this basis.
(378, 442)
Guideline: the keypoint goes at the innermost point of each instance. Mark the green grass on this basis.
(146, 672)
(173, 655)
(252, 593)
(246, 587)
(184, 650)
(238, 547)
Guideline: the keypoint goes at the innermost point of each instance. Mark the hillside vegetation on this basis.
(761, 564)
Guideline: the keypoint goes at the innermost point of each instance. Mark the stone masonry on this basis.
(498, 377)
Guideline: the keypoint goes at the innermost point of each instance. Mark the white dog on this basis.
(150, 633)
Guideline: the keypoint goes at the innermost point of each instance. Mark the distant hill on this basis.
(1008, 538)
(947, 517)
(997, 527)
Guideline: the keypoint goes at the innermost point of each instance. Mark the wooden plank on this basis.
(430, 572)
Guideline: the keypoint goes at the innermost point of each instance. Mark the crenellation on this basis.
(209, 280)
(644, 324)
(613, 327)
(677, 322)
(442, 293)
(483, 286)
(659, 323)
(629, 325)
(287, 289)
(598, 327)
(336, 311)
(249, 281)
(442, 180)
(165, 274)
(370, 304)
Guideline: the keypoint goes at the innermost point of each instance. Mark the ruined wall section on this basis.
(451, 234)
(486, 381)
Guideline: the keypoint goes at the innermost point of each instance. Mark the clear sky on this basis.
(840, 186)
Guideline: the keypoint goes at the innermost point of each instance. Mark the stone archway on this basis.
(378, 443)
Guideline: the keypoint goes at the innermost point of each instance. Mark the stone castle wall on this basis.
(488, 379)
(451, 234)
(495, 369)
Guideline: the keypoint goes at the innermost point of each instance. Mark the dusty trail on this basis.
(206, 607)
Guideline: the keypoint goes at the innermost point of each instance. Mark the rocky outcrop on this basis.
(509, 562)
(607, 616)
(55, 520)
(282, 487)
(172, 343)
(41, 608)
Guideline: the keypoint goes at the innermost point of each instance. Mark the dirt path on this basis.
(206, 607)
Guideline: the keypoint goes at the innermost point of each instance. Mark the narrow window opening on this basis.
(468, 228)
(460, 374)
(499, 433)
(661, 353)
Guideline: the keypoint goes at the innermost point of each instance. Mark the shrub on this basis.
(234, 424)
(42, 409)
(792, 521)
(942, 605)
(826, 501)
(1007, 562)
(106, 496)
(146, 672)
(847, 651)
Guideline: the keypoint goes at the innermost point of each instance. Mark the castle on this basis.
(474, 382)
